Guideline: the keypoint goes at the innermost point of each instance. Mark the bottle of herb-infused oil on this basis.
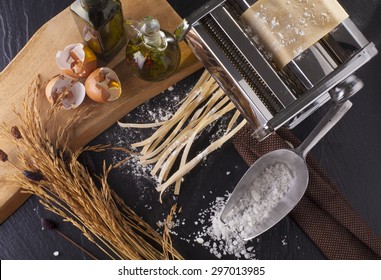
(152, 54)
(101, 25)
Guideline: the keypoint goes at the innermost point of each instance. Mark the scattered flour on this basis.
(200, 240)
(56, 253)
(136, 169)
(227, 238)
(284, 241)
(219, 239)
(172, 225)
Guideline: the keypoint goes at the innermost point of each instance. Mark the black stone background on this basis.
(350, 154)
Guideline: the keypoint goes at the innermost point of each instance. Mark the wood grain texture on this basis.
(37, 57)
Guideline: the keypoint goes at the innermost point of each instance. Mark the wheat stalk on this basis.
(51, 171)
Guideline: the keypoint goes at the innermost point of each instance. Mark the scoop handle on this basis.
(323, 127)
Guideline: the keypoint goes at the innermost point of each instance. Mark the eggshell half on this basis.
(70, 94)
(103, 85)
(76, 61)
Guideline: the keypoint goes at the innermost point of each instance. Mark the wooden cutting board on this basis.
(38, 57)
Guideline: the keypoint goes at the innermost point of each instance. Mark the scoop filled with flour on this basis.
(276, 182)
(261, 197)
(228, 237)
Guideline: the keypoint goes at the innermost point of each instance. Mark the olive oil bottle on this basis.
(101, 25)
(152, 54)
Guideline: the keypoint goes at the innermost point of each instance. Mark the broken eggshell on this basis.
(63, 90)
(103, 85)
(76, 60)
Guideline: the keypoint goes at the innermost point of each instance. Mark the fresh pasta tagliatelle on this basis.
(173, 140)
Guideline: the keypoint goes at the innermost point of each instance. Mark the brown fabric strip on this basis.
(323, 213)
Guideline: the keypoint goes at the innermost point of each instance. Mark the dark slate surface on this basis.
(350, 154)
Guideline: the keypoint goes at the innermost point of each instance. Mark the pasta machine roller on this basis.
(277, 60)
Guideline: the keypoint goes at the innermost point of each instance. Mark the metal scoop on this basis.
(295, 160)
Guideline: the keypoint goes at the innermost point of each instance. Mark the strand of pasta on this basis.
(205, 104)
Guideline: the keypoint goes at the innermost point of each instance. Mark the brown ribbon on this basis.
(323, 213)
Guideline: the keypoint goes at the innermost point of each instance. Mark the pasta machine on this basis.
(277, 60)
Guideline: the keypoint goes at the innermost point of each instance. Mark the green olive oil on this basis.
(152, 54)
(101, 25)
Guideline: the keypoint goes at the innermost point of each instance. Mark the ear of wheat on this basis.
(51, 171)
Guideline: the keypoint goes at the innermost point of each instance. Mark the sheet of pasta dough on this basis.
(286, 28)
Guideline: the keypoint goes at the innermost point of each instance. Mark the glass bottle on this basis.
(151, 53)
(101, 24)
